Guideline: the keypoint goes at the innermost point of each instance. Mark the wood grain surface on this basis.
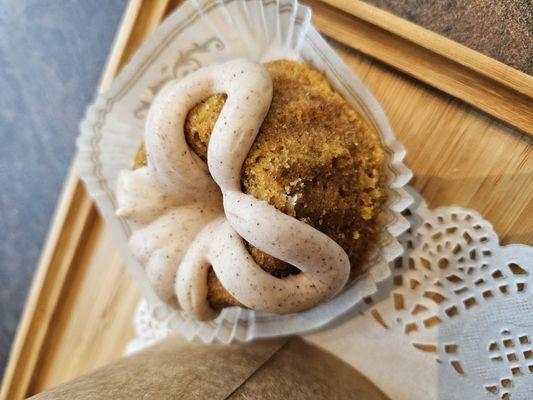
(482, 82)
(78, 316)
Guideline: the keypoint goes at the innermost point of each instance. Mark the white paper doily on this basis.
(454, 320)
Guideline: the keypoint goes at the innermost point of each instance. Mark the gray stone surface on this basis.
(51, 56)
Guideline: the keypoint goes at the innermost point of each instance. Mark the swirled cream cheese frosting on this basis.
(192, 217)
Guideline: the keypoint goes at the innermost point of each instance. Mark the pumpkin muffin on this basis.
(314, 159)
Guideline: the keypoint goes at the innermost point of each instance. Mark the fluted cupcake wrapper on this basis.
(197, 34)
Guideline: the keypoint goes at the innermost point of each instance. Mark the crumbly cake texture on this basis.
(314, 158)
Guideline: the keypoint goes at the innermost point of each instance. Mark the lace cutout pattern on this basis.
(458, 305)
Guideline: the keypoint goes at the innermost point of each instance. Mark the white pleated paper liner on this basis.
(201, 33)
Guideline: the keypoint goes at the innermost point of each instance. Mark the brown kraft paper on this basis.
(172, 369)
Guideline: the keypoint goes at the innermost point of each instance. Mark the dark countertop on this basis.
(501, 29)
(52, 54)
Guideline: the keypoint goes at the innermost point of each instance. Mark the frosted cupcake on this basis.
(257, 186)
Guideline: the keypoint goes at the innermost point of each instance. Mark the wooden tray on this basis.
(78, 313)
